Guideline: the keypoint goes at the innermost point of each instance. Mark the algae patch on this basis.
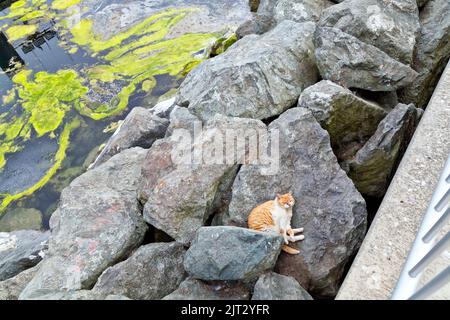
(64, 4)
(26, 12)
(48, 97)
(137, 55)
(17, 32)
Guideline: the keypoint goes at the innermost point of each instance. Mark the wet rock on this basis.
(432, 52)
(11, 288)
(180, 189)
(192, 289)
(347, 118)
(152, 272)
(373, 166)
(231, 253)
(295, 10)
(391, 26)
(21, 219)
(258, 24)
(258, 77)
(139, 129)
(21, 250)
(98, 222)
(334, 226)
(274, 286)
(352, 63)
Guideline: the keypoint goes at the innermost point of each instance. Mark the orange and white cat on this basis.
(275, 216)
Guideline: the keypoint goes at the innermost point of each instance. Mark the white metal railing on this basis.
(427, 247)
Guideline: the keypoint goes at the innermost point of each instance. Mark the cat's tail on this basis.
(289, 250)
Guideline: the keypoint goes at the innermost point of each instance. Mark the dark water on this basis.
(46, 50)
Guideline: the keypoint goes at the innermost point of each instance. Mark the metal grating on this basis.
(427, 247)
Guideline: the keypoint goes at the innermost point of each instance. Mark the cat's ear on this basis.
(278, 196)
(290, 192)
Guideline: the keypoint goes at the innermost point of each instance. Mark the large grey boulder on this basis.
(231, 253)
(257, 77)
(20, 250)
(11, 288)
(328, 206)
(295, 10)
(432, 52)
(346, 60)
(391, 26)
(348, 119)
(274, 286)
(374, 164)
(192, 289)
(98, 223)
(139, 129)
(152, 272)
(180, 193)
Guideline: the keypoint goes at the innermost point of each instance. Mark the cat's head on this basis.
(285, 200)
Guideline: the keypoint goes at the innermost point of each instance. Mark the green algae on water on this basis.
(64, 4)
(48, 97)
(84, 35)
(26, 12)
(6, 199)
(20, 31)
